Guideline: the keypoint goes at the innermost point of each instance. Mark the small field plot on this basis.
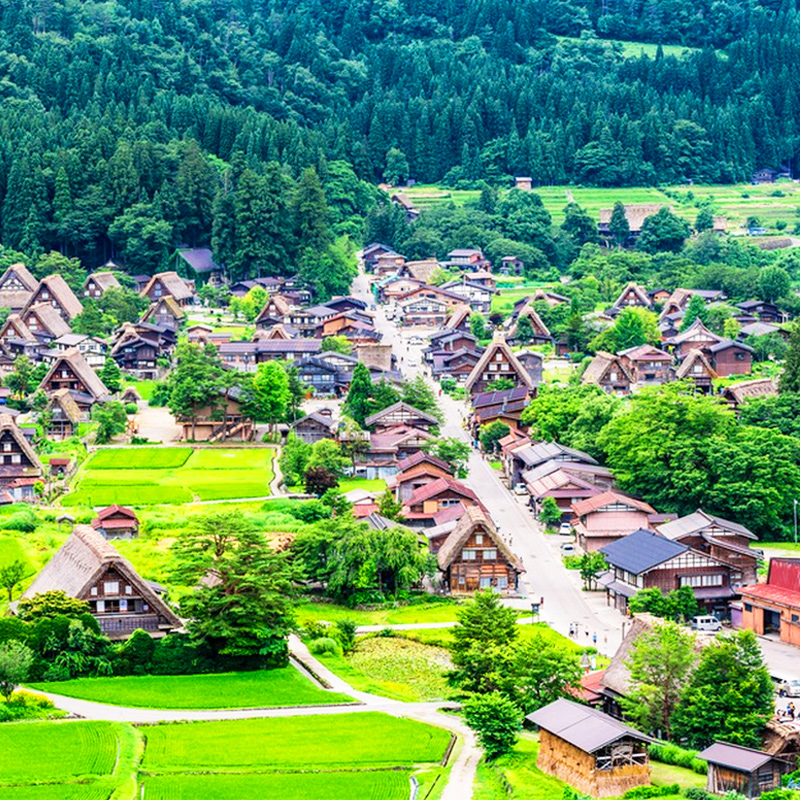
(378, 785)
(170, 475)
(260, 689)
(58, 791)
(11, 551)
(366, 740)
(414, 612)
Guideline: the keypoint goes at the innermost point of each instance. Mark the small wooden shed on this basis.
(732, 767)
(596, 754)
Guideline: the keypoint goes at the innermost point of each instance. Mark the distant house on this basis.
(116, 522)
(591, 751)
(55, 292)
(63, 415)
(20, 467)
(765, 175)
(739, 393)
(93, 348)
(17, 285)
(276, 311)
(609, 373)
(224, 421)
(44, 321)
(647, 365)
(422, 270)
(170, 284)
(415, 472)
(511, 265)
(89, 568)
(774, 606)
(391, 288)
(136, 353)
(477, 295)
(528, 455)
(71, 371)
(199, 264)
(165, 311)
(505, 405)
(388, 264)
(459, 319)
(427, 305)
(427, 501)
(371, 253)
(731, 358)
(646, 560)
(387, 447)
(564, 487)
(98, 283)
(471, 258)
(474, 556)
(609, 516)
(697, 368)
(696, 337)
(400, 414)
(633, 296)
(634, 214)
(316, 426)
(405, 202)
(766, 312)
(498, 361)
(742, 770)
(524, 184)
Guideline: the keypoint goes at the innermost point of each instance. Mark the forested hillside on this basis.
(128, 127)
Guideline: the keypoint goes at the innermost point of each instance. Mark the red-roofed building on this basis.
(606, 517)
(116, 522)
(427, 501)
(774, 606)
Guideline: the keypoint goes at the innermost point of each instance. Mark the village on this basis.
(391, 444)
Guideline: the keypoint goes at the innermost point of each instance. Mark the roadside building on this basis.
(733, 768)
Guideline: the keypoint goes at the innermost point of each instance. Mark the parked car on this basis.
(567, 549)
(565, 529)
(790, 688)
(415, 340)
(706, 623)
(520, 488)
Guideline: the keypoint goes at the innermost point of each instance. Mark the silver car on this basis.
(790, 688)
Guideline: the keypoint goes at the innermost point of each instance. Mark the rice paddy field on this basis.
(171, 475)
(260, 689)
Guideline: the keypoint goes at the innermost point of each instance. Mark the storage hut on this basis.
(733, 768)
(595, 753)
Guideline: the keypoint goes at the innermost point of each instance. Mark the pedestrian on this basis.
(541, 601)
(571, 629)
(791, 711)
(594, 639)
(587, 633)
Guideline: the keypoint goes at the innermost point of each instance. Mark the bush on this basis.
(131, 408)
(25, 705)
(644, 792)
(346, 634)
(315, 629)
(679, 757)
(496, 720)
(325, 647)
(696, 793)
(22, 521)
(135, 656)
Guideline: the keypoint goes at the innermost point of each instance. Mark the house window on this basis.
(478, 538)
(469, 555)
(502, 582)
(461, 580)
(795, 618)
(740, 356)
(101, 606)
(486, 583)
(697, 369)
(490, 554)
(129, 589)
(123, 604)
(111, 587)
(748, 606)
(93, 591)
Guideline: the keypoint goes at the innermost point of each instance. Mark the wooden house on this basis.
(93, 348)
(44, 321)
(609, 373)
(527, 455)
(316, 426)
(17, 285)
(680, 298)
(697, 368)
(504, 406)
(396, 286)
(609, 516)
(137, 354)
(523, 183)
(427, 305)
(540, 332)
(116, 522)
(387, 447)
(739, 393)
(765, 175)
(633, 296)
(165, 311)
(647, 365)
(63, 415)
(327, 377)
(482, 278)
(54, 291)
(742, 770)
(763, 311)
(98, 283)
(400, 414)
(565, 487)
(474, 556)
(427, 501)
(421, 271)
(600, 477)
(459, 319)
(551, 298)
(421, 472)
(89, 568)
(476, 295)
(646, 560)
(309, 319)
(731, 358)
(277, 310)
(371, 253)
(774, 606)
(71, 371)
(388, 264)
(591, 751)
(15, 330)
(170, 284)
(449, 341)
(719, 538)
(223, 421)
(457, 365)
(198, 263)
(498, 361)
(20, 467)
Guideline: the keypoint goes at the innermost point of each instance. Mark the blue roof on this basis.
(641, 550)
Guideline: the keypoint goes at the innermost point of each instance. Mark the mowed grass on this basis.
(377, 785)
(413, 613)
(11, 551)
(260, 689)
(366, 740)
(171, 475)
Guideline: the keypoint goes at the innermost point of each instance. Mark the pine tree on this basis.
(790, 377)
(696, 308)
(111, 375)
(357, 403)
(310, 213)
(618, 226)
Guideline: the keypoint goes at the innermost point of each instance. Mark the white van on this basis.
(706, 623)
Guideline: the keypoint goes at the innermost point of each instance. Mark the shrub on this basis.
(496, 720)
(135, 656)
(22, 521)
(346, 634)
(315, 629)
(325, 647)
(644, 792)
(25, 705)
(131, 408)
(679, 757)
(695, 793)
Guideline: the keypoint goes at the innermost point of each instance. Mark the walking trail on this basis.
(462, 773)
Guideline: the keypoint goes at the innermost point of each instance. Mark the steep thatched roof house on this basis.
(498, 361)
(54, 291)
(17, 285)
(63, 415)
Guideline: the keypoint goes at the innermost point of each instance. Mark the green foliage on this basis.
(729, 696)
(50, 604)
(679, 604)
(695, 309)
(337, 344)
(773, 283)
(633, 327)
(268, 394)
(663, 231)
(325, 646)
(477, 326)
(646, 792)
(16, 659)
(111, 419)
(496, 720)
(491, 435)
(10, 576)
(452, 451)
(590, 566)
(294, 458)
(668, 753)
(346, 634)
(390, 507)
(550, 513)
(618, 225)
(790, 377)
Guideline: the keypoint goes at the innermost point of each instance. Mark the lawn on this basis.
(10, 551)
(398, 615)
(517, 770)
(260, 689)
(394, 667)
(150, 476)
(347, 485)
(101, 755)
(443, 637)
(665, 774)
(380, 784)
(368, 740)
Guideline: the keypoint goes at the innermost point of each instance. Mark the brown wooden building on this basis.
(20, 467)
(96, 285)
(55, 292)
(609, 373)
(316, 426)
(71, 371)
(400, 414)
(88, 568)
(427, 501)
(116, 522)
(17, 284)
(221, 422)
(597, 754)
(474, 557)
(498, 361)
(165, 284)
(609, 516)
(733, 768)
(774, 606)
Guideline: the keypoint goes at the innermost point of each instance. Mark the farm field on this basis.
(365, 740)
(413, 613)
(10, 551)
(261, 689)
(635, 49)
(151, 476)
(100, 755)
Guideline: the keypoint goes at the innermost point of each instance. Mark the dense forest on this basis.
(129, 127)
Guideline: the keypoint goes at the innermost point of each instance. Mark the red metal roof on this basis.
(785, 573)
(772, 594)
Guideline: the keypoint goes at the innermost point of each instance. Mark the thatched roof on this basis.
(474, 518)
(640, 293)
(77, 363)
(601, 364)
(498, 345)
(60, 292)
(23, 275)
(131, 395)
(52, 322)
(694, 357)
(458, 316)
(739, 392)
(421, 270)
(539, 328)
(15, 323)
(173, 283)
(635, 214)
(7, 424)
(104, 280)
(64, 399)
(172, 307)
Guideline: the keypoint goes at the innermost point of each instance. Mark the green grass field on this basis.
(378, 785)
(260, 689)
(10, 551)
(366, 740)
(151, 476)
(415, 612)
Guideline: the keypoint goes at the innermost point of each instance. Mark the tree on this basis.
(389, 507)
(660, 662)
(524, 332)
(310, 213)
(729, 697)
(111, 419)
(319, 480)
(21, 381)
(357, 403)
(579, 225)
(618, 225)
(397, 169)
(591, 565)
(330, 271)
(491, 435)
(44, 605)
(337, 344)
(679, 604)
(484, 627)
(16, 659)
(550, 513)
(327, 453)
(695, 309)
(633, 327)
(241, 605)
(418, 393)
(92, 321)
(496, 720)
(477, 326)
(704, 221)
(10, 575)
(122, 304)
(500, 384)
(790, 377)
(773, 283)
(293, 459)
(111, 375)
(269, 395)
(452, 451)
(663, 232)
